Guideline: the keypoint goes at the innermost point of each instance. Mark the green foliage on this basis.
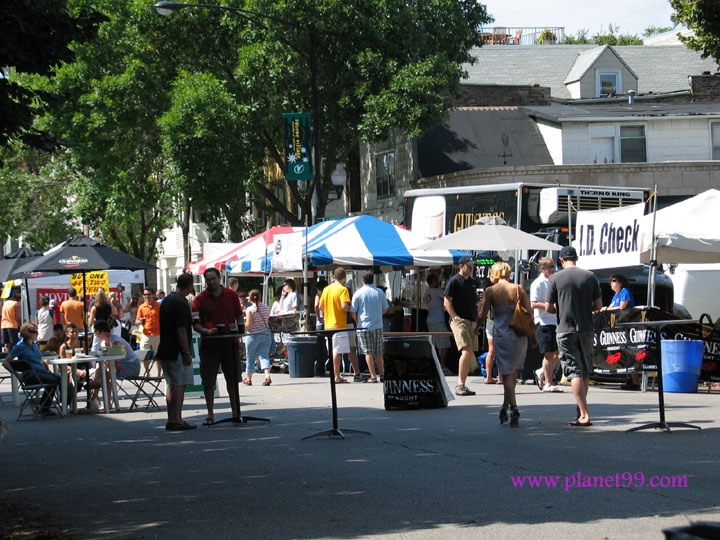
(161, 111)
(36, 36)
(612, 37)
(654, 30)
(34, 197)
(207, 137)
(703, 17)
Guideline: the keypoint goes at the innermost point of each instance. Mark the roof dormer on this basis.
(600, 72)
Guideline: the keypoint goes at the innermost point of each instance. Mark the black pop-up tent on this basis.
(82, 254)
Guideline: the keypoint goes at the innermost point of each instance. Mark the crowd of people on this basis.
(562, 305)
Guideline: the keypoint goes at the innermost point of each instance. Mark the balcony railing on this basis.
(523, 35)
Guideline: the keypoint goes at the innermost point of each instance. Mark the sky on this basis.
(632, 16)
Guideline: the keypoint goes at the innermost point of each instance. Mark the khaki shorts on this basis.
(464, 334)
(149, 342)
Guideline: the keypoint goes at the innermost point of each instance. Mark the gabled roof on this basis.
(472, 139)
(658, 69)
(587, 59)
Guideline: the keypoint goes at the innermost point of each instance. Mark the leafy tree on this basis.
(612, 37)
(116, 93)
(35, 39)
(653, 30)
(34, 198)
(398, 72)
(703, 17)
(207, 137)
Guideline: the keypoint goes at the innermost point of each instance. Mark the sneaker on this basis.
(360, 377)
(94, 405)
(267, 381)
(462, 390)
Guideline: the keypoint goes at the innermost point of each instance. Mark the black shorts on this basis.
(546, 338)
(10, 336)
(213, 358)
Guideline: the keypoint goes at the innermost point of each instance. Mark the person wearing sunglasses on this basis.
(623, 298)
(27, 349)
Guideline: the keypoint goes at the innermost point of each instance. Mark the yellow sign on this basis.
(93, 280)
(6, 289)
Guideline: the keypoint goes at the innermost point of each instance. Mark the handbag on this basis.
(523, 322)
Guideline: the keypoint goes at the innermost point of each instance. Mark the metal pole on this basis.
(306, 285)
(653, 254)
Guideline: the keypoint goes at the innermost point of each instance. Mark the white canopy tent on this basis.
(686, 232)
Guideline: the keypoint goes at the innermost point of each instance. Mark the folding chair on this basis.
(145, 384)
(4, 375)
(35, 391)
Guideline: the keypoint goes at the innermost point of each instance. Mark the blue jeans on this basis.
(257, 346)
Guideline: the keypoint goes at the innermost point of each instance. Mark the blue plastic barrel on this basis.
(681, 364)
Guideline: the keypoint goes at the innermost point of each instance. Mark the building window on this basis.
(385, 174)
(608, 82)
(715, 139)
(632, 144)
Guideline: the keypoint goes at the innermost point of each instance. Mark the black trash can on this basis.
(301, 356)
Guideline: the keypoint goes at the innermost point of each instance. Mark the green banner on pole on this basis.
(297, 128)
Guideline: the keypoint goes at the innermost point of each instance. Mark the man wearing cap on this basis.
(574, 293)
(461, 304)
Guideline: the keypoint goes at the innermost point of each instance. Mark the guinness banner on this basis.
(297, 129)
(412, 374)
(628, 349)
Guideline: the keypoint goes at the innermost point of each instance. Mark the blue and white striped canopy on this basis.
(362, 241)
(368, 241)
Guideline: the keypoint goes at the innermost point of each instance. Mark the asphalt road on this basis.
(427, 474)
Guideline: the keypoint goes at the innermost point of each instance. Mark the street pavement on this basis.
(425, 474)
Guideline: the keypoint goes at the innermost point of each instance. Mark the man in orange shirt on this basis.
(72, 310)
(11, 319)
(148, 316)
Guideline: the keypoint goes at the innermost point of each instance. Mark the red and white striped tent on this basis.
(256, 246)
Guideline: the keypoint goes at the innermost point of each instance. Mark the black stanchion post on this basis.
(662, 424)
(335, 432)
(234, 381)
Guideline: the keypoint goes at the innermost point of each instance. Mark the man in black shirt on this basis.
(574, 293)
(174, 350)
(461, 304)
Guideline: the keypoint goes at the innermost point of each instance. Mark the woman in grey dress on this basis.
(510, 348)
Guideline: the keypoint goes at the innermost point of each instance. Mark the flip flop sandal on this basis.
(580, 424)
(341, 381)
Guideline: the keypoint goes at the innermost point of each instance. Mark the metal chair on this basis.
(146, 384)
(4, 376)
(39, 396)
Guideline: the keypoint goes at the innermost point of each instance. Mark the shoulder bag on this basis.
(522, 323)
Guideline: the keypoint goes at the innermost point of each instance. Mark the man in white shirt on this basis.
(546, 327)
(434, 298)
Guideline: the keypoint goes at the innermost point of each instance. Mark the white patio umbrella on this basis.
(490, 235)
